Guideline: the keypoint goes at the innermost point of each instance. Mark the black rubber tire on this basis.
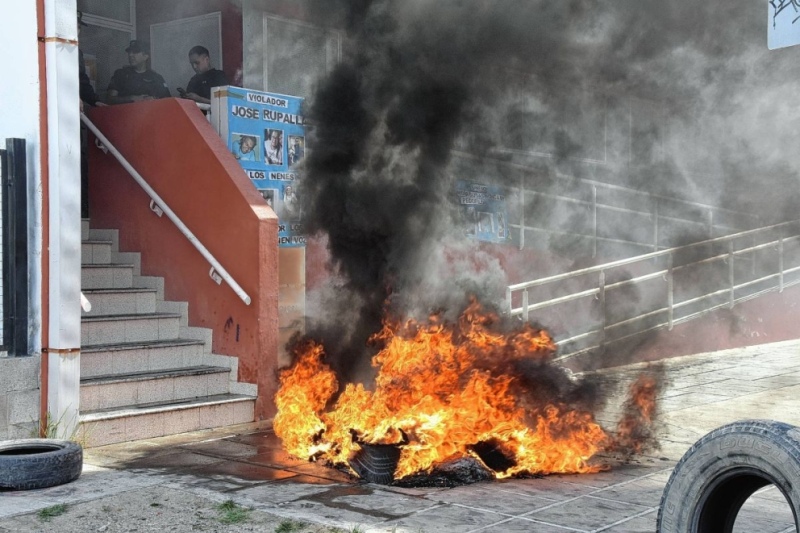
(38, 463)
(721, 470)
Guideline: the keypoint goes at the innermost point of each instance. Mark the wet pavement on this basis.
(246, 464)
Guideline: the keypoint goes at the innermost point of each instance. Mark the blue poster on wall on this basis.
(484, 211)
(265, 133)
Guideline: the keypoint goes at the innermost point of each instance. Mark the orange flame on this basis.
(439, 390)
(635, 428)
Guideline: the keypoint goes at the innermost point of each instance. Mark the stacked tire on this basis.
(38, 463)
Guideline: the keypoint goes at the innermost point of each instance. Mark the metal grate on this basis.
(14, 284)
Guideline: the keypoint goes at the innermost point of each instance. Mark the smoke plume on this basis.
(428, 92)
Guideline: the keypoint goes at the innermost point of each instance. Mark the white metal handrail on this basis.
(217, 272)
(594, 207)
(733, 290)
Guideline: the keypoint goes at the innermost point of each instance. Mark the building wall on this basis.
(19, 397)
(20, 118)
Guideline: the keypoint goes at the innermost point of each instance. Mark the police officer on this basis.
(206, 77)
(88, 96)
(136, 82)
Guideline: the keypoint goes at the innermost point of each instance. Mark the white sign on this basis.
(783, 23)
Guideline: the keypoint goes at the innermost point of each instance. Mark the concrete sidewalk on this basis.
(174, 483)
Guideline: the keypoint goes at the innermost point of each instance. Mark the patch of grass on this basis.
(289, 526)
(49, 428)
(48, 513)
(154, 504)
(232, 513)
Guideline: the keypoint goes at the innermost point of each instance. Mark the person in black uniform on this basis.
(136, 82)
(206, 77)
(88, 96)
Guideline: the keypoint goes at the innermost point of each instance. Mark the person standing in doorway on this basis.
(137, 81)
(89, 98)
(206, 77)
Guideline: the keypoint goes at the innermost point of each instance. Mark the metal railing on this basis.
(594, 204)
(217, 272)
(593, 307)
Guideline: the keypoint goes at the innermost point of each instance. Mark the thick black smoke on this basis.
(422, 78)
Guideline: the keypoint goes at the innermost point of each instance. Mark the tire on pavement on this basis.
(38, 463)
(721, 470)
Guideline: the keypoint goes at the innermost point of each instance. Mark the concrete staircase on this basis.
(144, 371)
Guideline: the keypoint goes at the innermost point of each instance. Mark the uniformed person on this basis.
(206, 77)
(136, 82)
(88, 96)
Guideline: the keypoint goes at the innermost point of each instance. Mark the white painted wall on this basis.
(64, 209)
(19, 117)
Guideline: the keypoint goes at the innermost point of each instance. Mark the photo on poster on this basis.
(471, 221)
(290, 207)
(269, 196)
(273, 146)
(245, 147)
(297, 149)
(485, 222)
(501, 226)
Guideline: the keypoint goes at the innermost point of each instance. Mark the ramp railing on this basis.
(590, 308)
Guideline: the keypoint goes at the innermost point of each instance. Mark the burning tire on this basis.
(720, 471)
(38, 463)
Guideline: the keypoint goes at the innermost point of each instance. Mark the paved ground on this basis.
(175, 484)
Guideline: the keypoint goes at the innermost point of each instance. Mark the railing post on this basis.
(670, 292)
(710, 231)
(522, 211)
(731, 276)
(780, 264)
(710, 223)
(602, 297)
(508, 300)
(655, 224)
(525, 305)
(594, 220)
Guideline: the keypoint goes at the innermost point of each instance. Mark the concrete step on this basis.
(108, 276)
(108, 329)
(130, 301)
(141, 388)
(104, 235)
(127, 357)
(95, 252)
(109, 426)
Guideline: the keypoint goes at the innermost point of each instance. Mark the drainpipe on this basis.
(61, 223)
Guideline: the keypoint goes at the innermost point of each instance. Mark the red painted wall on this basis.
(149, 12)
(171, 144)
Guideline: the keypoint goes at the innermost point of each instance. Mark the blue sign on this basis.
(783, 24)
(265, 132)
(484, 211)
